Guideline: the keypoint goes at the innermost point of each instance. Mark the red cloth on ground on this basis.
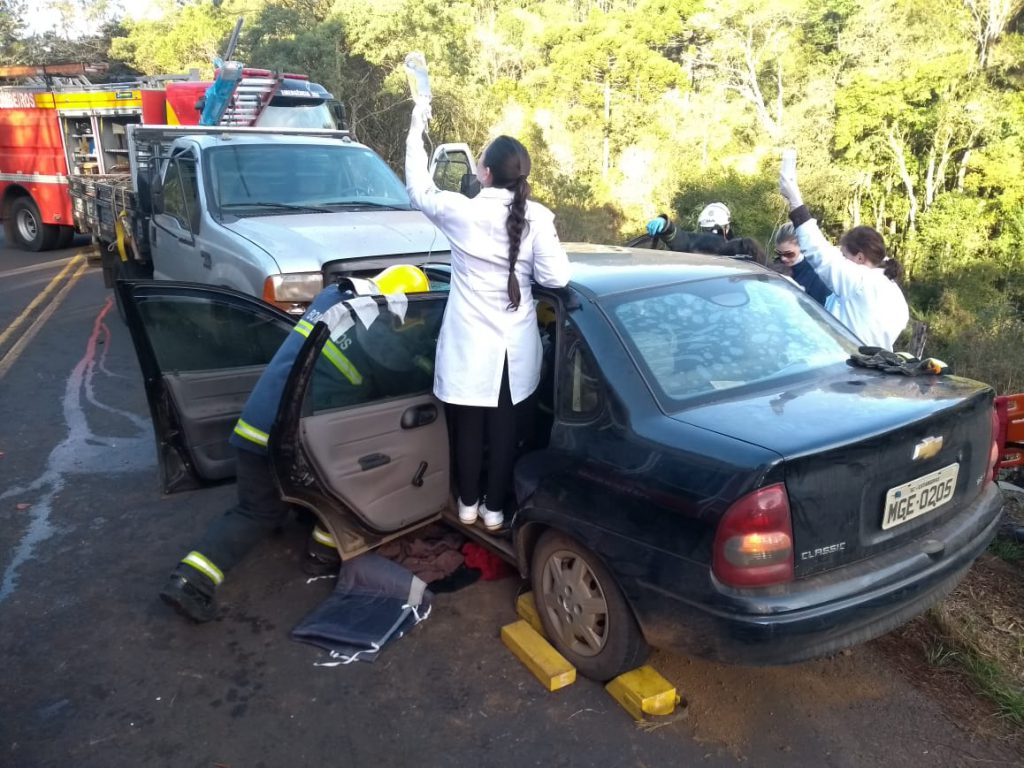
(489, 564)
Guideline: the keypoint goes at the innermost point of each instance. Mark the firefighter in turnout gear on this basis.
(259, 509)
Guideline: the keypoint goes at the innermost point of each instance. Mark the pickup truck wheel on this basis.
(582, 609)
(64, 237)
(25, 227)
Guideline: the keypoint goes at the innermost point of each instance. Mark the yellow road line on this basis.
(30, 333)
(50, 286)
(35, 267)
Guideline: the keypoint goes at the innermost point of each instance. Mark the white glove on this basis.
(421, 113)
(788, 187)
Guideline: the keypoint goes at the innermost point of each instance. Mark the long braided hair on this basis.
(510, 165)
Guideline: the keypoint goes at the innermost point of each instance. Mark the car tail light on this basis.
(997, 446)
(754, 541)
(292, 292)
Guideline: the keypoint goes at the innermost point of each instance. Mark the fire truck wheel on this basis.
(25, 227)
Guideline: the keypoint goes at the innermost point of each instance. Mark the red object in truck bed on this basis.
(1010, 409)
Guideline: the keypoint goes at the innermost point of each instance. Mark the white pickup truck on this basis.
(273, 213)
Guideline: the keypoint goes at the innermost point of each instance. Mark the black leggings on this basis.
(498, 425)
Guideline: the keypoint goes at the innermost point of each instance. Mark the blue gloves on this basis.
(656, 226)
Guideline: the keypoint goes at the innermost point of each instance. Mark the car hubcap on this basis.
(28, 227)
(575, 603)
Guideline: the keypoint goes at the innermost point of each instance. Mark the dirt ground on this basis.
(968, 652)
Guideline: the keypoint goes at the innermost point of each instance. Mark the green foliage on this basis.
(905, 118)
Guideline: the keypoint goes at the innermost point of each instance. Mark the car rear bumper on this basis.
(824, 613)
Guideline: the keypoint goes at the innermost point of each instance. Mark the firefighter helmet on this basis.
(714, 216)
(402, 278)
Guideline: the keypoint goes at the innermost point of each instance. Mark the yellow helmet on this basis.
(402, 278)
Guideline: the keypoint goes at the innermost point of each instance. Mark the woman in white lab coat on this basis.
(489, 350)
(862, 277)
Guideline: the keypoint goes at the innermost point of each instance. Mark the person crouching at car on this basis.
(489, 350)
(258, 510)
(862, 278)
(714, 236)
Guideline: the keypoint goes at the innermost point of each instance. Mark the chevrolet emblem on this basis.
(927, 448)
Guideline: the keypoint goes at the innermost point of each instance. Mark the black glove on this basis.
(896, 362)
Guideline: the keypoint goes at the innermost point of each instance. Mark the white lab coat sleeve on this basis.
(550, 262)
(841, 276)
(438, 205)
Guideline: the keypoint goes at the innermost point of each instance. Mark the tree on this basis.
(12, 15)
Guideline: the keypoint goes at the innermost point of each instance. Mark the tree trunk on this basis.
(901, 165)
(962, 171)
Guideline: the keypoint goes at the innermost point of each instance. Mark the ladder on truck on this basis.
(254, 91)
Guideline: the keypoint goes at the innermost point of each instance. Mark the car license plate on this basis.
(913, 499)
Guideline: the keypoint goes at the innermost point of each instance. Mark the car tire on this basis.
(599, 637)
(25, 229)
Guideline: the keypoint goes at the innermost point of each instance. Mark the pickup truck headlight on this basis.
(292, 292)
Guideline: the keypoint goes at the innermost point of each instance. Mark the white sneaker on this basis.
(468, 514)
(493, 520)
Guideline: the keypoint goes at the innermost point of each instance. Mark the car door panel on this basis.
(392, 476)
(201, 350)
(208, 405)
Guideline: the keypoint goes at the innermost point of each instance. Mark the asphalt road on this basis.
(98, 672)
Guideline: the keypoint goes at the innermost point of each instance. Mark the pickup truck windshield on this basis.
(268, 179)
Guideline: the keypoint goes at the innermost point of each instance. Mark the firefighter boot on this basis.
(322, 557)
(190, 590)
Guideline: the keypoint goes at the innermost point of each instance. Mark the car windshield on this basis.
(724, 333)
(264, 179)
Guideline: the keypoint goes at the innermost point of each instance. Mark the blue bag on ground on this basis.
(376, 601)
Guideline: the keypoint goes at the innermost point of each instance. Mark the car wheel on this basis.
(582, 609)
(25, 227)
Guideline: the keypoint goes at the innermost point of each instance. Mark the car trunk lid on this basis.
(871, 460)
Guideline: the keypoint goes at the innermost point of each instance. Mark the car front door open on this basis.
(361, 438)
(201, 351)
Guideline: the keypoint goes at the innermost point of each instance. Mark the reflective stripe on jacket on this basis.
(253, 428)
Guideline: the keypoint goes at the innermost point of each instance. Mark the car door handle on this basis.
(421, 470)
(419, 416)
(207, 259)
(373, 460)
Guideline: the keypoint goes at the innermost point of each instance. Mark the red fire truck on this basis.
(55, 124)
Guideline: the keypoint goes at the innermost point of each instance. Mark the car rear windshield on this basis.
(709, 336)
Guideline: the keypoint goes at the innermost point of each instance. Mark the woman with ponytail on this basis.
(489, 350)
(862, 277)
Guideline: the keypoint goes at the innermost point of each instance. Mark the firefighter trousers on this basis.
(258, 511)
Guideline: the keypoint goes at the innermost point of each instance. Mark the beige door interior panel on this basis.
(383, 496)
(209, 404)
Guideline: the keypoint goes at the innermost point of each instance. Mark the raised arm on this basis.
(437, 204)
(839, 275)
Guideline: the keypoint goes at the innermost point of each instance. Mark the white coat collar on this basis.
(496, 192)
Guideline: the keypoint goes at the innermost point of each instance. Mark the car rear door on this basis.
(371, 457)
(201, 350)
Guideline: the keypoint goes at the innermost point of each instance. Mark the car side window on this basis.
(450, 169)
(199, 334)
(580, 391)
(181, 191)
(393, 357)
